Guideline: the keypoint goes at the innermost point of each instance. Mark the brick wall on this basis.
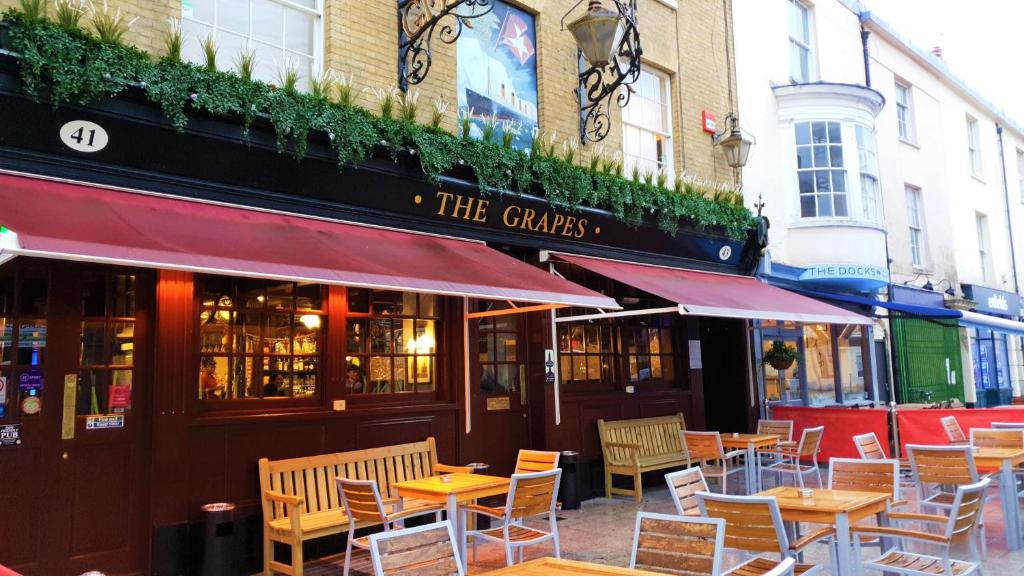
(688, 43)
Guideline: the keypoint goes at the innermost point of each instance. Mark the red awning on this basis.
(723, 295)
(51, 219)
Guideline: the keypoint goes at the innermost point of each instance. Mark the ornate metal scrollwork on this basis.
(600, 85)
(417, 20)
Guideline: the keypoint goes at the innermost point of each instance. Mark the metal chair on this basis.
(363, 505)
(753, 525)
(427, 549)
(965, 515)
(870, 448)
(790, 462)
(954, 433)
(781, 428)
(529, 495)
(706, 450)
(683, 485)
(677, 544)
(938, 466)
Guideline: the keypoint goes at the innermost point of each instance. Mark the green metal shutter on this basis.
(922, 348)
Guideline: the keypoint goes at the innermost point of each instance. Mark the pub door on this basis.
(74, 493)
(501, 381)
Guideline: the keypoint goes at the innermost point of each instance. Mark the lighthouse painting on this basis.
(497, 73)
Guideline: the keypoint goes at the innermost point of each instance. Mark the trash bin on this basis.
(483, 522)
(218, 538)
(568, 491)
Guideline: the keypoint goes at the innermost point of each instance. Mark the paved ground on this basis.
(602, 531)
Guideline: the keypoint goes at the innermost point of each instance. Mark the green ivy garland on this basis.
(73, 66)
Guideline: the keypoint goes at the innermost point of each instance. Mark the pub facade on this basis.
(197, 272)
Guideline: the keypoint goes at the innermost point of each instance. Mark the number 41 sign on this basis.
(84, 136)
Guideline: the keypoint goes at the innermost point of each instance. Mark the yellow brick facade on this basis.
(687, 42)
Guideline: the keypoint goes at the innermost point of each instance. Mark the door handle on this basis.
(67, 423)
(64, 456)
(522, 385)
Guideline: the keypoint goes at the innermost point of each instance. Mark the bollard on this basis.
(218, 538)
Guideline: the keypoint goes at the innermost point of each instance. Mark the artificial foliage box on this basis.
(66, 64)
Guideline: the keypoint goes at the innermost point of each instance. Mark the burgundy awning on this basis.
(51, 219)
(723, 295)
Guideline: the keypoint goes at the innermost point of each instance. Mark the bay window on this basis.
(821, 172)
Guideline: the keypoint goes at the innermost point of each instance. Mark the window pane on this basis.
(818, 364)
(306, 339)
(821, 157)
(214, 331)
(824, 205)
(233, 15)
(667, 369)
(840, 205)
(6, 290)
(123, 295)
(6, 341)
(424, 373)
(268, 21)
(508, 377)
(31, 342)
(251, 294)
(656, 367)
(379, 374)
(838, 181)
(486, 354)
(563, 339)
(822, 182)
(803, 133)
(579, 368)
(309, 297)
(576, 340)
(122, 343)
(281, 296)
(94, 295)
(380, 335)
(819, 133)
(803, 157)
(807, 206)
(565, 368)
(833, 133)
(806, 180)
(594, 369)
(35, 288)
(279, 333)
(851, 364)
(92, 344)
(247, 335)
(428, 305)
(506, 347)
(836, 155)
(213, 377)
(299, 32)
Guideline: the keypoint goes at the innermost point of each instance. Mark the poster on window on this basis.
(497, 74)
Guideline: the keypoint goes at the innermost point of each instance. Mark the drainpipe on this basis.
(1009, 219)
(864, 35)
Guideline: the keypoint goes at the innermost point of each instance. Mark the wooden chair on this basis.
(870, 448)
(966, 511)
(880, 476)
(362, 503)
(536, 461)
(782, 428)
(1008, 425)
(529, 495)
(954, 433)
(429, 550)
(753, 525)
(938, 466)
(678, 544)
(441, 469)
(683, 486)
(705, 449)
(997, 438)
(791, 458)
(785, 568)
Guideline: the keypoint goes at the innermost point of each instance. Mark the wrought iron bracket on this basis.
(417, 22)
(599, 86)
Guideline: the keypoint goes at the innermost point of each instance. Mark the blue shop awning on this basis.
(976, 320)
(920, 311)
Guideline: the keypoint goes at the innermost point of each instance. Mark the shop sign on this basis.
(855, 276)
(989, 301)
(31, 405)
(915, 296)
(512, 216)
(549, 366)
(499, 403)
(120, 398)
(31, 379)
(84, 136)
(104, 421)
(10, 434)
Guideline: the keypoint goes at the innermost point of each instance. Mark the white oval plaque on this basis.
(725, 252)
(84, 136)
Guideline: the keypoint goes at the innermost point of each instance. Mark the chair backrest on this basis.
(967, 509)
(1009, 425)
(536, 461)
(752, 523)
(361, 501)
(865, 475)
(810, 439)
(869, 447)
(997, 438)
(428, 550)
(942, 464)
(703, 445)
(654, 436)
(532, 493)
(954, 433)
(683, 485)
(678, 544)
(782, 428)
(785, 568)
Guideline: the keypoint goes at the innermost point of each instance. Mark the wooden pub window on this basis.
(259, 338)
(107, 359)
(24, 304)
(587, 354)
(391, 342)
(500, 364)
(648, 353)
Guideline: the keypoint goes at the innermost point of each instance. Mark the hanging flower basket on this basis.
(780, 356)
(781, 363)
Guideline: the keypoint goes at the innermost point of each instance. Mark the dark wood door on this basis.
(81, 474)
(500, 383)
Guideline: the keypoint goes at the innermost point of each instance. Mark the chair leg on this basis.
(638, 488)
(554, 530)
(348, 554)
(509, 554)
(607, 483)
(297, 559)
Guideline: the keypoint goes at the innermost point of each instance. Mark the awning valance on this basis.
(911, 309)
(50, 219)
(721, 295)
(976, 320)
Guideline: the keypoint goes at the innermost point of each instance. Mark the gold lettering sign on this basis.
(514, 217)
(499, 403)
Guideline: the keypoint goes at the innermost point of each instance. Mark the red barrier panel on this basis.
(841, 425)
(921, 426)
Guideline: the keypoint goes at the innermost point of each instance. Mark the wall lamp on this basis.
(735, 145)
(417, 21)
(608, 45)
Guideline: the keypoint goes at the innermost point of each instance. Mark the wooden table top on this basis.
(823, 500)
(461, 483)
(562, 567)
(992, 458)
(742, 440)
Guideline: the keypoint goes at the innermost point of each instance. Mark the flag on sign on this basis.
(514, 35)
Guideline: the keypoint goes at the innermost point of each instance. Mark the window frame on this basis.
(916, 223)
(318, 40)
(664, 80)
(984, 247)
(974, 148)
(1020, 173)
(868, 168)
(805, 44)
(905, 124)
(813, 169)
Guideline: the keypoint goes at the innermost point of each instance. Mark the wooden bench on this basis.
(301, 501)
(632, 447)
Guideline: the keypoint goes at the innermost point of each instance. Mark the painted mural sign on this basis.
(497, 73)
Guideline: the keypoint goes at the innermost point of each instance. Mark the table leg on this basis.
(751, 469)
(1011, 508)
(460, 529)
(844, 557)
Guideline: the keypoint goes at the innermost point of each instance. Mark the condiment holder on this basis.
(446, 478)
(806, 493)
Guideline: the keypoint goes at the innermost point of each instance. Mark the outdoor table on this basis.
(839, 508)
(462, 488)
(562, 567)
(1004, 460)
(751, 442)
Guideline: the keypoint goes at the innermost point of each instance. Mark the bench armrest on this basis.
(816, 536)
(282, 498)
(632, 449)
(292, 510)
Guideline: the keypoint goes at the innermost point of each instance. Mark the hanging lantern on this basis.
(598, 33)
